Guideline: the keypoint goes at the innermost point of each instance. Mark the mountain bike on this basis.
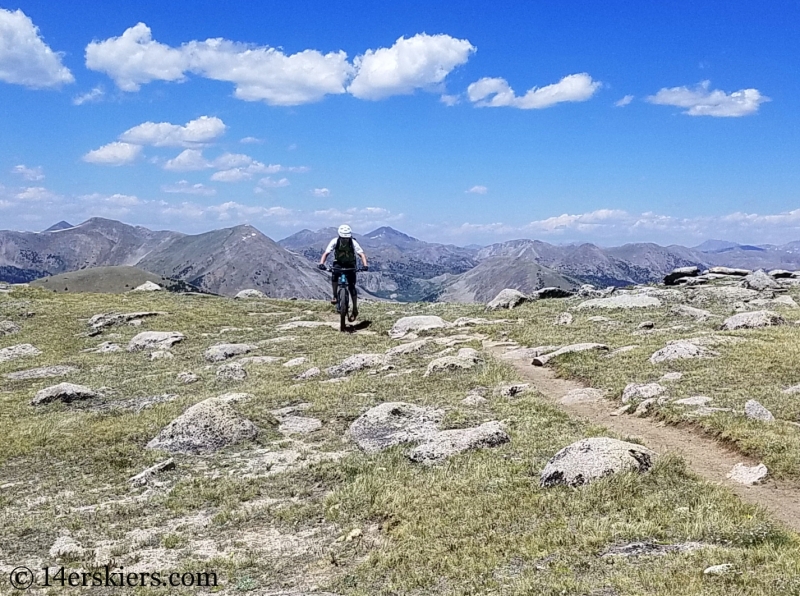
(343, 296)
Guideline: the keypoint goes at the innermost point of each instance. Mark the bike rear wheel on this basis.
(343, 297)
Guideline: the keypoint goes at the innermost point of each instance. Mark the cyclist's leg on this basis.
(351, 284)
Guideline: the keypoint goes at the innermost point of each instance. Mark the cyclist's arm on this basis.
(363, 259)
(327, 251)
(360, 252)
(324, 256)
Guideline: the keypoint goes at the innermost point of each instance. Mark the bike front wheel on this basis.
(343, 299)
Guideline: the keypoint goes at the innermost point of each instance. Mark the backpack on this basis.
(344, 253)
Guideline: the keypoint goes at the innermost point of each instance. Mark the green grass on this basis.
(479, 524)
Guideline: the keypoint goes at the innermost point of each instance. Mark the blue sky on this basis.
(609, 123)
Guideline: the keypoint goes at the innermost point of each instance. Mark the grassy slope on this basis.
(479, 524)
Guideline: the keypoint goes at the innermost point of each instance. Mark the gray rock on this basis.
(8, 328)
(299, 361)
(65, 392)
(465, 359)
(187, 377)
(18, 351)
(309, 374)
(146, 476)
(407, 348)
(638, 391)
(231, 371)
(415, 324)
(755, 411)
(154, 340)
(650, 548)
(723, 569)
(564, 318)
(551, 293)
(250, 293)
(696, 400)
(528, 353)
(572, 349)
(100, 321)
(621, 350)
(161, 355)
(670, 377)
(148, 286)
(258, 360)
(220, 352)
(778, 301)
(447, 443)
(780, 273)
(759, 281)
(748, 475)
(590, 459)
(723, 293)
(680, 350)
(698, 314)
(306, 325)
(394, 423)
(472, 321)
(646, 325)
(205, 427)
(43, 372)
(680, 273)
(589, 291)
(294, 425)
(356, 363)
(507, 298)
(624, 301)
(512, 389)
(474, 399)
(794, 389)
(753, 320)
(582, 395)
(106, 347)
(729, 271)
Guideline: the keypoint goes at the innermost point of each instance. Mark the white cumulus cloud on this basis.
(268, 182)
(114, 154)
(418, 62)
(188, 160)
(30, 174)
(496, 92)
(25, 59)
(164, 134)
(478, 190)
(701, 101)
(321, 192)
(35, 193)
(259, 73)
(185, 187)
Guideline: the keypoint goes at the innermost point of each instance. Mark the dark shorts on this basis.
(350, 275)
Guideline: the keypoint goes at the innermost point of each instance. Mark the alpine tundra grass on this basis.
(310, 512)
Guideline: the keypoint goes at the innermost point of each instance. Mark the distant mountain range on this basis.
(401, 267)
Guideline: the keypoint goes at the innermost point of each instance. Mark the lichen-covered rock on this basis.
(623, 301)
(729, 271)
(220, 352)
(65, 392)
(574, 348)
(102, 320)
(447, 443)
(203, 428)
(43, 372)
(187, 377)
(155, 340)
(698, 314)
(415, 324)
(638, 391)
(250, 293)
(465, 359)
(753, 320)
(507, 298)
(18, 351)
(680, 350)
(355, 363)
(590, 459)
(755, 411)
(407, 348)
(231, 371)
(759, 281)
(394, 423)
(309, 374)
(294, 425)
(8, 328)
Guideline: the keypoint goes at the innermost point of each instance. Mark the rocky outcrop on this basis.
(155, 340)
(465, 359)
(447, 443)
(416, 323)
(65, 392)
(18, 351)
(43, 372)
(759, 281)
(507, 298)
(672, 278)
(250, 294)
(753, 320)
(356, 363)
(639, 391)
(680, 350)
(623, 301)
(748, 475)
(755, 411)
(572, 349)
(394, 423)
(220, 352)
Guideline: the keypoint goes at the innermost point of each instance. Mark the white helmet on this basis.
(345, 231)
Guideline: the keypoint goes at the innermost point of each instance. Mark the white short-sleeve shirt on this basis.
(356, 246)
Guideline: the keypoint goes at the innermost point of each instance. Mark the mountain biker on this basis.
(344, 248)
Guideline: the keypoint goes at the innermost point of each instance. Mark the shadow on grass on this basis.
(360, 326)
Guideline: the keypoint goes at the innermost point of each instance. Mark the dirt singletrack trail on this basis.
(705, 456)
